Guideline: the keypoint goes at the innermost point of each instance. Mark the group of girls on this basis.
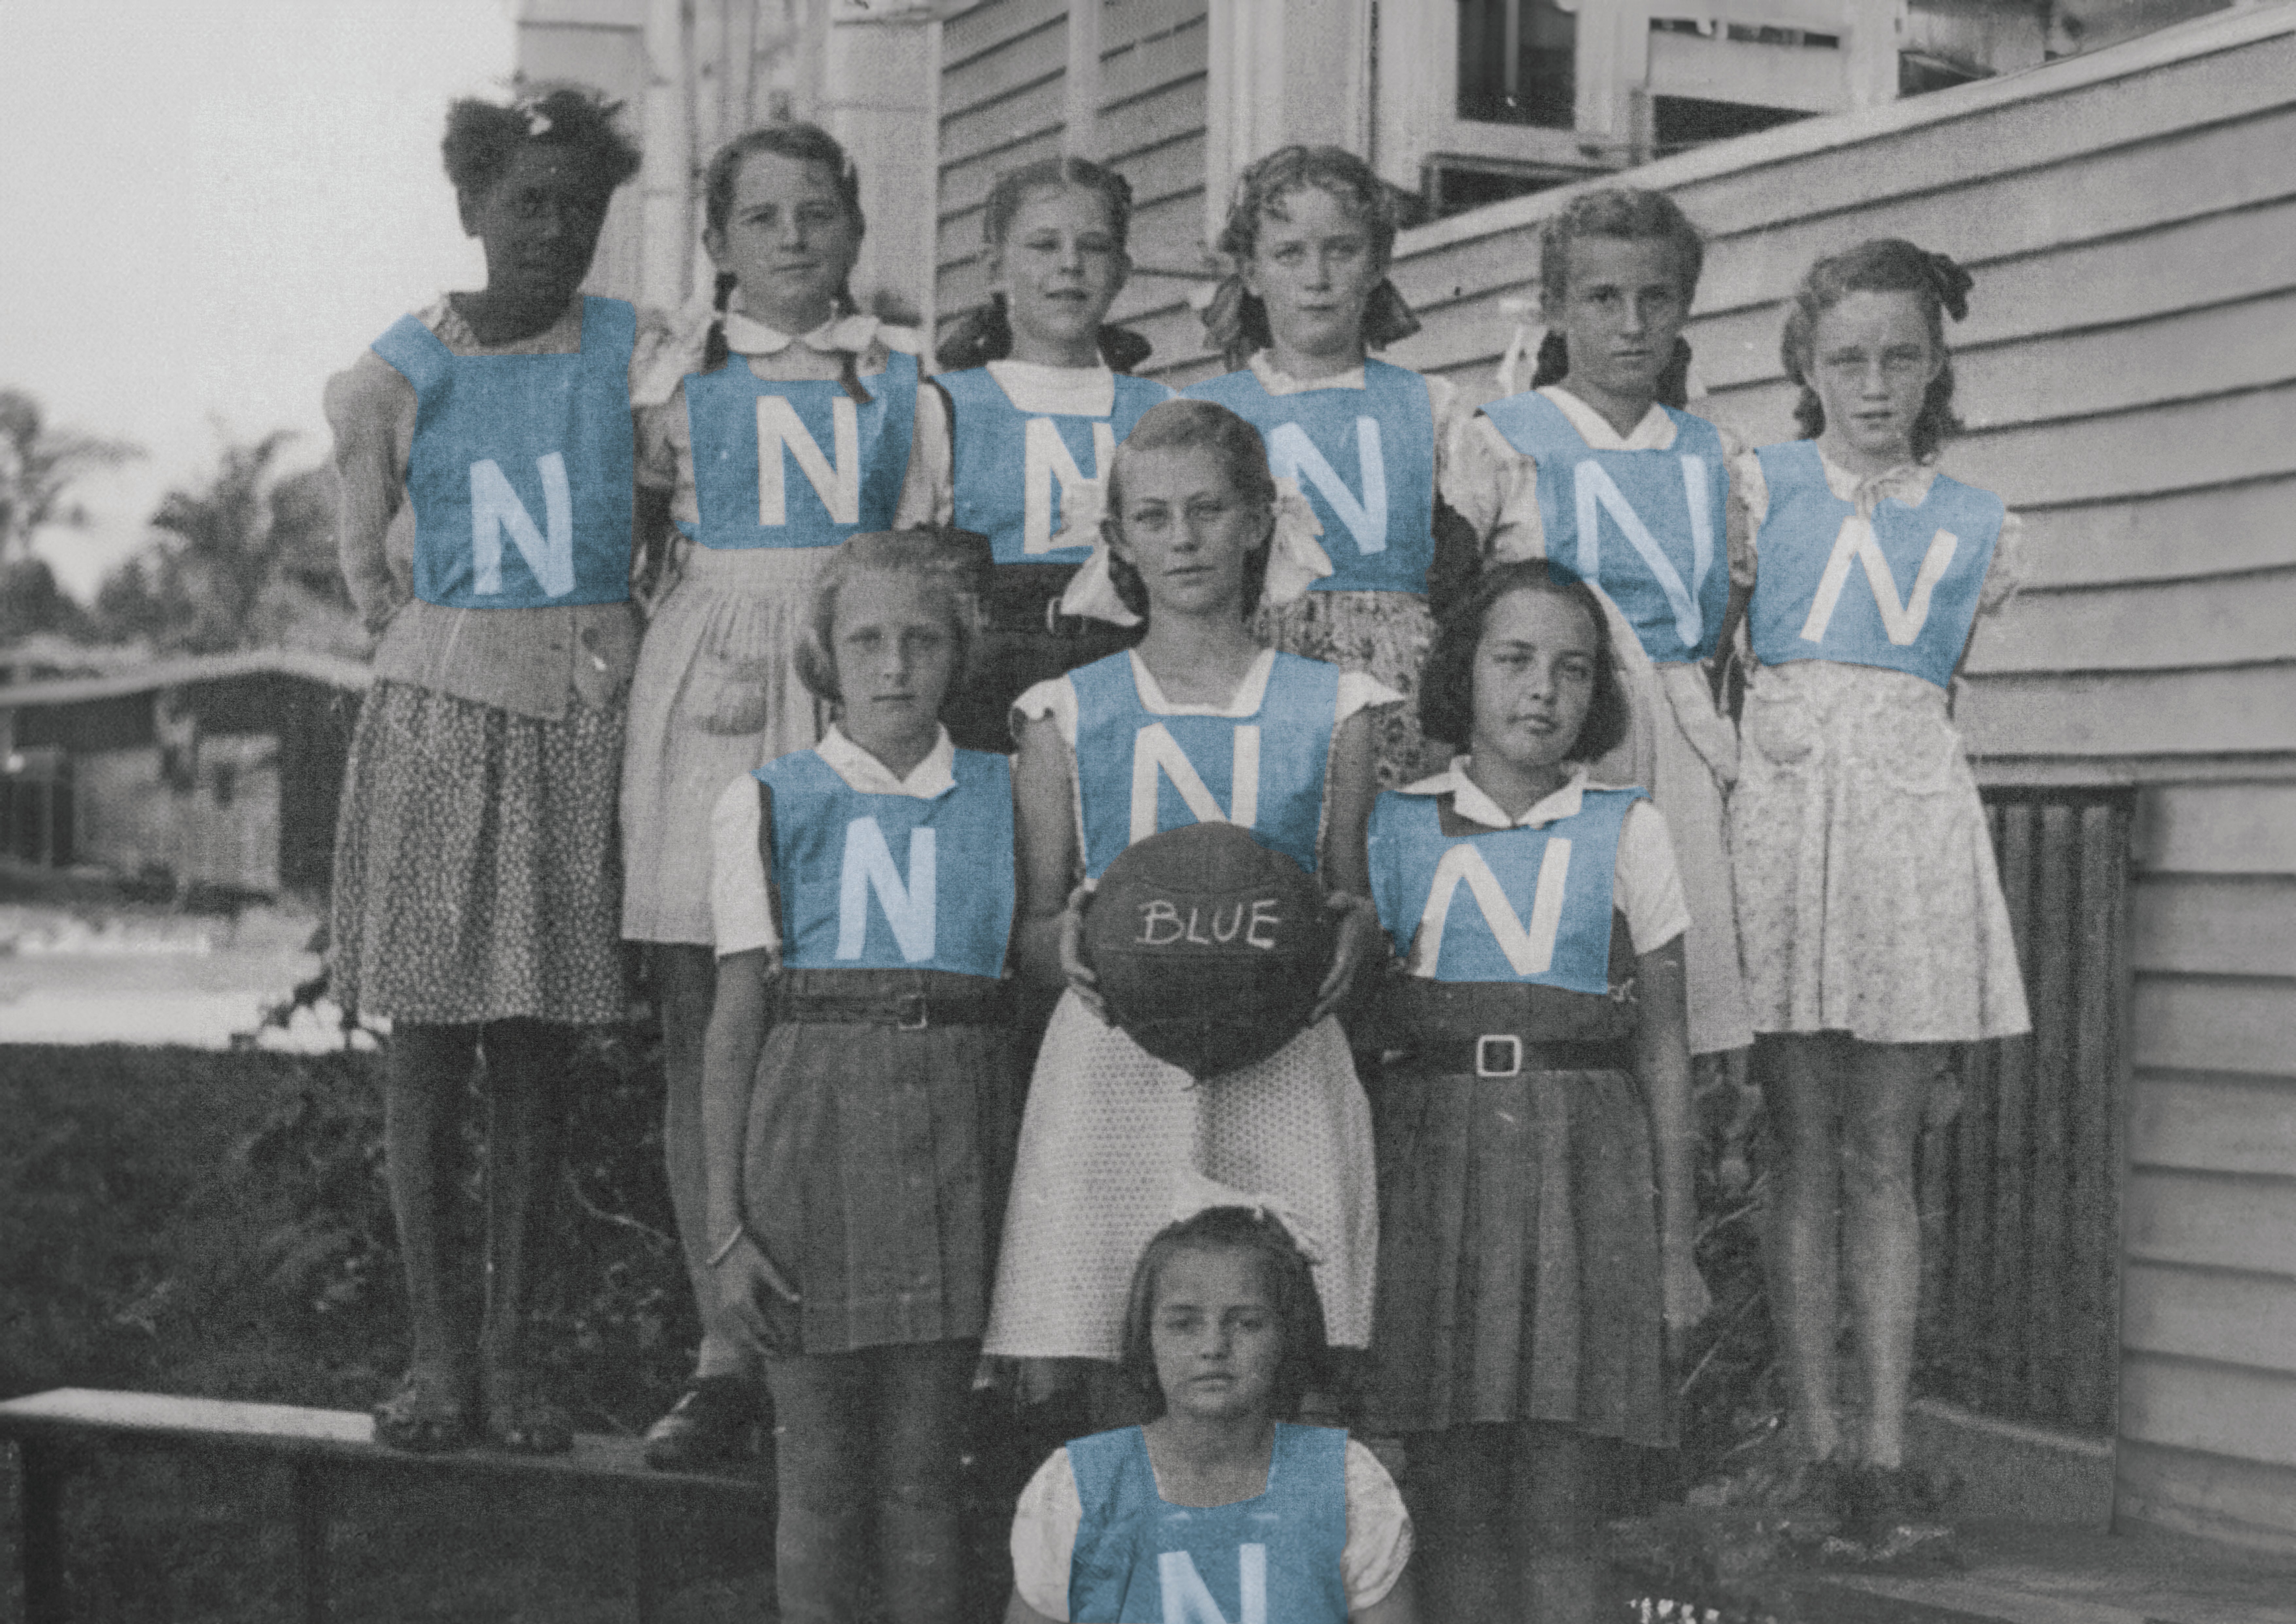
(927, 652)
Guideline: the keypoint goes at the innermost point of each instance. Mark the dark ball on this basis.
(1209, 946)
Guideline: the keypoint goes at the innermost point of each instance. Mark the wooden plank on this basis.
(2222, 1410)
(2093, 1216)
(2210, 1220)
(2240, 1502)
(2049, 988)
(2150, 537)
(2007, 1245)
(2205, 1314)
(1156, 65)
(1148, 136)
(987, 29)
(1165, 170)
(2217, 829)
(2244, 926)
(2213, 1122)
(2214, 1023)
(2246, 709)
(1136, 23)
(995, 80)
(979, 133)
(2218, 620)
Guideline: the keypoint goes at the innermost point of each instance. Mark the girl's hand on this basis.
(1081, 979)
(760, 1301)
(1688, 1301)
(1041, 1381)
(1358, 929)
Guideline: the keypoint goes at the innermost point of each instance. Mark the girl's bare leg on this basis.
(1803, 1083)
(921, 1403)
(1560, 1575)
(1466, 1565)
(1881, 1115)
(426, 1070)
(686, 980)
(528, 1089)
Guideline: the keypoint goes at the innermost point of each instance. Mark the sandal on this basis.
(522, 1422)
(425, 1417)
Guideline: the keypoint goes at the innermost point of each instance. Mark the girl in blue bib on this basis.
(1218, 1507)
(787, 434)
(484, 451)
(1014, 438)
(1869, 907)
(1110, 1128)
(1537, 1213)
(1614, 482)
(860, 1086)
(1371, 449)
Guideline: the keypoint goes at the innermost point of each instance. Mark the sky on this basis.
(207, 208)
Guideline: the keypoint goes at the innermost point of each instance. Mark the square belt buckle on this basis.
(915, 1017)
(1055, 619)
(1500, 1043)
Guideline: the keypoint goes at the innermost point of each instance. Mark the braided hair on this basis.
(984, 334)
(1883, 265)
(1616, 211)
(800, 142)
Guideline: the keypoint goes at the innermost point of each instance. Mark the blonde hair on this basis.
(956, 559)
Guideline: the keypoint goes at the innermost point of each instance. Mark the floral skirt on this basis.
(717, 695)
(1384, 634)
(475, 872)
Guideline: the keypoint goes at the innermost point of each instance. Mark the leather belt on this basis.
(910, 1012)
(1027, 598)
(1507, 1054)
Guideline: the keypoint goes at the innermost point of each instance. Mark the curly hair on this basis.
(1447, 684)
(955, 561)
(1285, 1273)
(984, 334)
(1883, 265)
(1638, 216)
(1188, 426)
(482, 136)
(1235, 322)
(800, 142)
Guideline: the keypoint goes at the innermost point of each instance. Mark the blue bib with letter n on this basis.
(1506, 904)
(521, 467)
(1014, 470)
(1900, 593)
(1273, 1559)
(1647, 526)
(1140, 772)
(890, 881)
(797, 463)
(1365, 459)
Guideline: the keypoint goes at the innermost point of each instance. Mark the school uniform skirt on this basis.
(1107, 1131)
(716, 695)
(1519, 1266)
(475, 874)
(1024, 640)
(1386, 633)
(875, 1153)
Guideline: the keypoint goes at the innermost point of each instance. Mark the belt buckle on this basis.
(914, 1001)
(1053, 617)
(1514, 1066)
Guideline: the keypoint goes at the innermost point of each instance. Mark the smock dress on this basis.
(764, 485)
(1519, 1271)
(484, 529)
(1110, 1129)
(1648, 518)
(1869, 901)
(880, 1124)
(1019, 452)
(1094, 1537)
(1377, 452)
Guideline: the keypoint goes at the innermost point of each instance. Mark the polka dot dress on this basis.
(475, 871)
(1385, 634)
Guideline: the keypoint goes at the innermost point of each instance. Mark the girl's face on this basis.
(539, 223)
(1060, 268)
(1217, 1341)
(1871, 362)
(789, 240)
(896, 654)
(1534, 679)
(1620, 312)
(1315, 267)
(1186, 529)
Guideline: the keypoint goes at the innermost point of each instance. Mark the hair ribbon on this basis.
(1194, 1194)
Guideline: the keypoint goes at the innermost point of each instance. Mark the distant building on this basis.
(219, 773)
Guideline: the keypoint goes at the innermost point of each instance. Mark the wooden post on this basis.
(1081, 118)
(311, 1509)
(41, 1472)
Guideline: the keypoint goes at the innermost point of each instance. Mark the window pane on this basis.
(1530, 83)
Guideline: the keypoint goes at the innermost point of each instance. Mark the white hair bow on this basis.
(1194, 1194)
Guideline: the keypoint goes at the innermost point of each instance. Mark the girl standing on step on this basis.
(484, 451)
(1869, 907)
(860, 1081)
(1375, 448)
(1537, 1213)
(790, 435)
(1619, 486)
(1013, 440)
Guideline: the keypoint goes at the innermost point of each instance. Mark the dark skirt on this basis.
(1519, 1265)
(476, 874)
(1025, 640)
(875, 1164)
